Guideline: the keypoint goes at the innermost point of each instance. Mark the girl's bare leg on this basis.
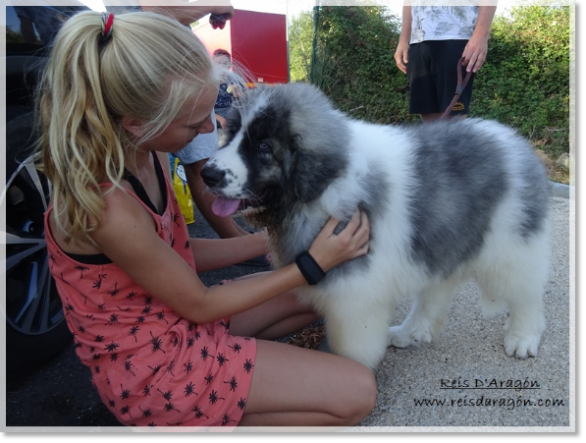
(275, 318)
(292, 386)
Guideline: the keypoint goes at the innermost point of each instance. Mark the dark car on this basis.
(35, 321)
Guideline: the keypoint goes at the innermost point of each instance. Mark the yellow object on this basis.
(182, 192)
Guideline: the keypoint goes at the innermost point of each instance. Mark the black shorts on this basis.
(433, 77)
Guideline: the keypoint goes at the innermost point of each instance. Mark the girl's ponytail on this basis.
(101, 68)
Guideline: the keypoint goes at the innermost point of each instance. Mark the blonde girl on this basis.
(164, 349)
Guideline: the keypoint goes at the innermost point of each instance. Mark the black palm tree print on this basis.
(155, 369)
(99, 338)
(186, 244)
(172, 240)
(224, 324)
(125, 410)
(233, 384)
(114, 291)
(98, 284)
(214, 397)
(170, 367)
(226, 420)
(161, 316)
(81, 270)
(197, 335)
(113, 319)
(114, 357)
(171, 407)
(221, 359)
(69, 308)
(190, 389)
(131, 295)
(156, 343)
(146, 391)
(248, 366)
(146, 412)
(175, 217)
(190, 341)
(126, 309)
(198, 412)
(128, 367)
(133, 331)
(167, 395)
(146, 310)
(52, 260)
(209, 379)
(241, 403)
(140, 319)
(112, 347)
(205, 353)
(63, 279)
(148, 299)
(125, 394)
(188, 367)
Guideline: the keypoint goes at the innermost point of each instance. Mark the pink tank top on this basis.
(150, 366)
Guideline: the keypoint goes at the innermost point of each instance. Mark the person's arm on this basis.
(475, 51)
(402, 52)
(212, 254)
(221, 120)
(127, 235)
(187, 14)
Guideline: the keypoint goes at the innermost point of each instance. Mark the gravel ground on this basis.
(469, 352)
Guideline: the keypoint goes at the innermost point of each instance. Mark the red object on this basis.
(257, 41)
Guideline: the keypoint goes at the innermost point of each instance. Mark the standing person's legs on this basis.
(293, 386)
(433, 78)
(445, 55)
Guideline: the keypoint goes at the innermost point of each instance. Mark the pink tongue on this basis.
(223, 207)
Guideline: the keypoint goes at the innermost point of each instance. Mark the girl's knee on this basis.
(363, 396)
(369, 389)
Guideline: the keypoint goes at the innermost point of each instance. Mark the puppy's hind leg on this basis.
(519, 285)
(428, 315)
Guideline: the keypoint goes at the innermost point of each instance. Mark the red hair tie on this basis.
(107, 21)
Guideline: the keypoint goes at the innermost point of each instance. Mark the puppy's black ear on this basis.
(312, 173)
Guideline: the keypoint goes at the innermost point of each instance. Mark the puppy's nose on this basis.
(212, 176)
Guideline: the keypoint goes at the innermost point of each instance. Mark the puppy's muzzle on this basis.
(213, 177)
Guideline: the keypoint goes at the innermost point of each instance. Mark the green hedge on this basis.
(524, 82)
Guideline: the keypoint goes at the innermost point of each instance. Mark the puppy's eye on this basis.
(264, 146)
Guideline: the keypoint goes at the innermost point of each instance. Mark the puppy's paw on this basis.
(521, 347)
(402, 337)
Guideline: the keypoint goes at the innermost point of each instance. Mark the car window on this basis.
(36, 25)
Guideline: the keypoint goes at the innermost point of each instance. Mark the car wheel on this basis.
(35, 322)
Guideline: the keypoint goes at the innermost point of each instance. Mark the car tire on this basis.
(35, 322)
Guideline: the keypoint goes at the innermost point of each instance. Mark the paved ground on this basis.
(469, 352)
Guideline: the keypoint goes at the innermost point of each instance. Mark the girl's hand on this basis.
(329, 249)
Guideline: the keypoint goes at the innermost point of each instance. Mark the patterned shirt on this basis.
(442, 22)
(150, 366)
